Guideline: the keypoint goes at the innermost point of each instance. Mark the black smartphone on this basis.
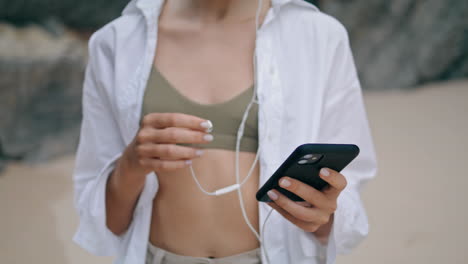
(304, 164)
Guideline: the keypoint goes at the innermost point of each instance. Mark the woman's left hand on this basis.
(319, 206)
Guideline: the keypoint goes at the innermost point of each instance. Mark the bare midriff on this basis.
(188, 222)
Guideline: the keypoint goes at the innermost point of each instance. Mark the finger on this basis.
(173, 135)
(168, 151)
(305, 204)
(302, 213)
(308, 193)
(163, 120)
(165, 165)
(306, 226)
(337, 182)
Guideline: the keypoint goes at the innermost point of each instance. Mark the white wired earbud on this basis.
(240, 132)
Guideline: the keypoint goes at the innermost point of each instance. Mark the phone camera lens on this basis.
(310, 159)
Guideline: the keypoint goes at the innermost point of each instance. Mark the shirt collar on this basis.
(153, 5)
(279, 3)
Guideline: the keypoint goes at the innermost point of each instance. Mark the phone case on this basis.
(333, 156)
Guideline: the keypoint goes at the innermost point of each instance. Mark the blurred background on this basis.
(412, 57)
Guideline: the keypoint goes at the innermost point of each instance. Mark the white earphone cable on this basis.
(240, 133)
(241, 127)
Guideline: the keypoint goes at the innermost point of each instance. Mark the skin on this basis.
(205, 50)
(316, 213)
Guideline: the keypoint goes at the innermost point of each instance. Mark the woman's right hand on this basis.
(153, 149)
(154, 146)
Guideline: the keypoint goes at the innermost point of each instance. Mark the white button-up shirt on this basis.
(308, 91)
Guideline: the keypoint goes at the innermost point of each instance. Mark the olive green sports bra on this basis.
(161, 97)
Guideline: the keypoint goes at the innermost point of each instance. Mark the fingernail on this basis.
(272, 195)
(207, 125)
(208, 137)
(324, 172)
(198, 152)
(285, 183)
(188, 162)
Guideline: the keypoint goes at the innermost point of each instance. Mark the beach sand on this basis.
(416, 204)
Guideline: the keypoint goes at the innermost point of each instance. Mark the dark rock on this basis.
(3, 164)
(83, 15)
(40, 97)
(405, 43)
(396, 44)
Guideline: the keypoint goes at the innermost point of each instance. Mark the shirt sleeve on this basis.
(99, 147)
(344, 120)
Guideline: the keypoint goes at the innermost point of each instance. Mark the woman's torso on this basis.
(210, 66)
(296, 47)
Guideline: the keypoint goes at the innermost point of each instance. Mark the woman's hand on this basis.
(154, 147)
(315, 214)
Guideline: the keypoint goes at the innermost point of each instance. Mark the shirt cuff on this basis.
(93, 234)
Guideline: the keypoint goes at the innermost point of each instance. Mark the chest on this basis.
(209, 65)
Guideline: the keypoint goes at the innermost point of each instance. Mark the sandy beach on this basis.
(416, 204)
